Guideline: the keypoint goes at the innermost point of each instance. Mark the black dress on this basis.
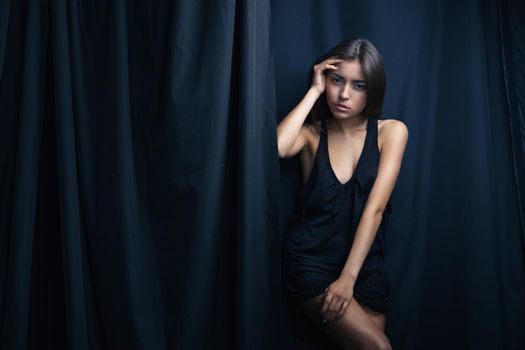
(328, 212)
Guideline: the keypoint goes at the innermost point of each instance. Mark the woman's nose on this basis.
(345, 92)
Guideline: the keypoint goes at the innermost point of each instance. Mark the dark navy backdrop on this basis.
(456, 245)
(141, 202)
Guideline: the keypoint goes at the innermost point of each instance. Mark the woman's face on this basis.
(346, 87)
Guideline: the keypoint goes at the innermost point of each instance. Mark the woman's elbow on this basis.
(281, 150)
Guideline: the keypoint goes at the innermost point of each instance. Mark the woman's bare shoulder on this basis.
(390, 122)
(391, 128)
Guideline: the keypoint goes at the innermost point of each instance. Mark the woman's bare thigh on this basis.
(377, 317)
(357, 328)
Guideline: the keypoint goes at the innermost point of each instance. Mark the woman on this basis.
(334, 251)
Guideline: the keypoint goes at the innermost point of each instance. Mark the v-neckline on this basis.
(365, 142)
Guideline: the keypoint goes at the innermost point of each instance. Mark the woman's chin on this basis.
(341, 115)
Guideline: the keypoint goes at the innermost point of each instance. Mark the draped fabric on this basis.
(139, 175)
(455, 77)
(512, 32)
(142, 201)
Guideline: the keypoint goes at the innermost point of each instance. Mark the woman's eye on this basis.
(360, 86)
(336, 79)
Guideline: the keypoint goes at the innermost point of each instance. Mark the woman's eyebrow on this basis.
(341, 77)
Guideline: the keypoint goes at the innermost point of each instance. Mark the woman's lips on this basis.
(341, 107)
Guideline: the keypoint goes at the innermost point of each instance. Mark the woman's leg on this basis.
(355, 330)
(377, 317)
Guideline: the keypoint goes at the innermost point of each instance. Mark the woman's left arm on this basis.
(394, 139)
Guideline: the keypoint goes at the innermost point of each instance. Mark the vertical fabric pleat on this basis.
(139, 175)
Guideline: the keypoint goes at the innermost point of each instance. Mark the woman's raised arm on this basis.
(291, 135)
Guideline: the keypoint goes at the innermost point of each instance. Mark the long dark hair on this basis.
(373, 70)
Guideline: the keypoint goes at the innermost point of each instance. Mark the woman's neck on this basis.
(348, 125)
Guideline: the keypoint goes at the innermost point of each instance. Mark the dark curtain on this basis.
(139, 175)
(142, 202)
(455, 75)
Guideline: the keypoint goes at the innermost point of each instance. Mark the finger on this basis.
(326, 303)
(334, 60)
(335, 307)
(330, 314)
(325, 70)
(319, 67)
(342, 311)
(327, 300)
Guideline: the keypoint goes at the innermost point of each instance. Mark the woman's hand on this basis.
(337, 298)
(319, 79)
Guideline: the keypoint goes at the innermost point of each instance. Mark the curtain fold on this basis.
(139, 183)
(512, 32)
(21, 130)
